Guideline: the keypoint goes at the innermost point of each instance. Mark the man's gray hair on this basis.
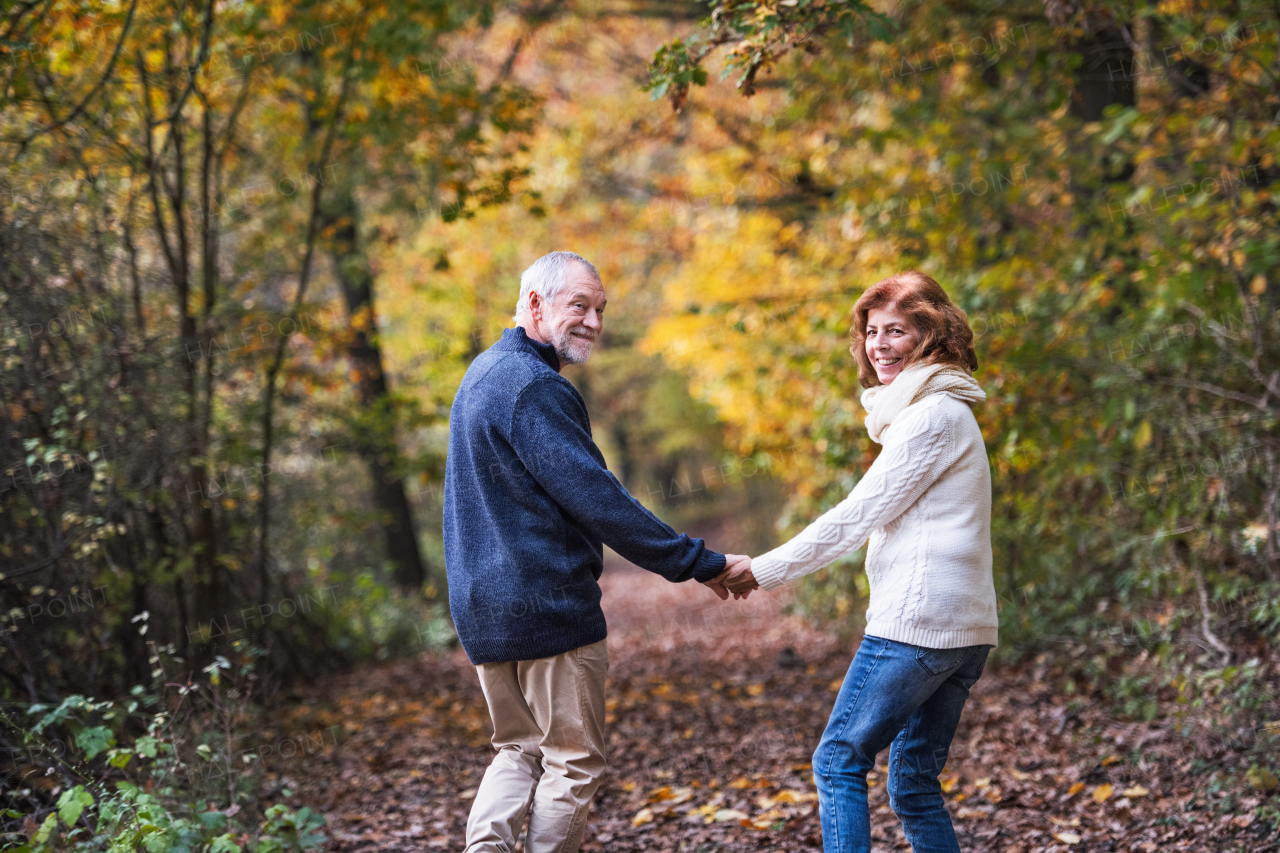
(547, 276)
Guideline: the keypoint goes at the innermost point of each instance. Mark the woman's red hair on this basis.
(945, 336)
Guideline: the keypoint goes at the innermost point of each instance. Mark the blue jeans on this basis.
(908, 698)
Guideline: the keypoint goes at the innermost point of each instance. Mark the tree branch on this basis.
(102, 81)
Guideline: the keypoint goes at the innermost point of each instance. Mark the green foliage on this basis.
(285, 830)
(761, 32)
(376, 621)
(181, 408)
(151, 791)
(128, 819)
(675, 68)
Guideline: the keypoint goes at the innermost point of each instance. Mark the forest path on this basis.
(715, 709)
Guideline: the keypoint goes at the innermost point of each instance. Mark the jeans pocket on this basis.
(937, 662)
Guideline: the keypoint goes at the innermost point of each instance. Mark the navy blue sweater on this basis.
(528, 501)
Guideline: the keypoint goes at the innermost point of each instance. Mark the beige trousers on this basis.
(548, 728)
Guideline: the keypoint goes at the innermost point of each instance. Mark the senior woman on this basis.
(926, 505)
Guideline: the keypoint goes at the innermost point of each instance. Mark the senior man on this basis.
(527, 503)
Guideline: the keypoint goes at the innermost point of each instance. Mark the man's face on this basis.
(573, 321)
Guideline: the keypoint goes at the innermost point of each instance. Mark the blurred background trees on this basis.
(248, 251)
(1095, 185)
(190, 312)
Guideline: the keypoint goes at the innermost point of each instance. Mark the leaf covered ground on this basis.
(714, 713)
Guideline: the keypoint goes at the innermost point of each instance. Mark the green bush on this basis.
(137, 774)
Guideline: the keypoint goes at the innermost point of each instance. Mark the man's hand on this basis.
(736, 578)
(718, 588)
(739, 581)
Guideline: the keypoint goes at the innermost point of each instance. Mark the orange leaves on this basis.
(671, 796)
(669, 802)
(787, 797)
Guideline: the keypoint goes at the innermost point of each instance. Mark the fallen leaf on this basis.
(949, 782)
(1261, 779)
(1136, 791)
(740, 783)
(672, 796)
(1110, 759)
(1102, 793)
(1067, 837)
(1075, 789)
(680, 795)
(786, 797)
(645, 815)
(724, 815)
(1018, 774)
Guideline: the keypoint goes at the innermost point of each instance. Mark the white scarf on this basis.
(885, 402)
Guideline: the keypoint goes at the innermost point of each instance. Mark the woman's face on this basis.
(890, 336)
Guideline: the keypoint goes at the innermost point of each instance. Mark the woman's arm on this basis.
(921, 446)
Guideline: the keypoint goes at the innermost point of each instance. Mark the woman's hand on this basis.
(736, 578)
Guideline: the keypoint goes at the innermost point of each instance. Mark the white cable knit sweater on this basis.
(926, 505)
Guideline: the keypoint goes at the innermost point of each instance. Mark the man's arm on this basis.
(549, 435)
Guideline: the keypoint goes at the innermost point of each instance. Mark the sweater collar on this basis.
(885, 402)
(546, 352)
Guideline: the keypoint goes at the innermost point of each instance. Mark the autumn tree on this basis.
(1093, 182)
(185, 183)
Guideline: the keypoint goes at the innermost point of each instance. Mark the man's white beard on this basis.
(570, 348)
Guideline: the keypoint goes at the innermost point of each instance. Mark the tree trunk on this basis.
(1106, 73)
(210, 599)
(376, 440)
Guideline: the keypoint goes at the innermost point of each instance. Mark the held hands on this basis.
(736, 578)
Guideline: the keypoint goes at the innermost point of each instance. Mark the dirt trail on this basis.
(715, 709)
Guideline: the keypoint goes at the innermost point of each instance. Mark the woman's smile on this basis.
(891, 337)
